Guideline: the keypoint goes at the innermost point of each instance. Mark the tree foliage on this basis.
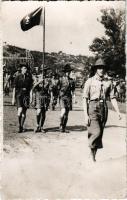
(111, 47)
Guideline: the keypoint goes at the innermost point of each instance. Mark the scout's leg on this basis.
(23, 117)
(42, 120)
(65, 119)
(93, 153)
(98, 126)
(64, 114)
(67, 106)
(71, 103)
(38, 116)
(105, 115)
(54, 101)
(95, 137)
(62, 119)
(20, 119)
(47, 101)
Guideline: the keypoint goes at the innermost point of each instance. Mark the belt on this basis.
(23, 88)
(100, 100)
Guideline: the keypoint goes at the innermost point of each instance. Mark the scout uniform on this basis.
(96, 91)
(55, 87)
(23, 85)
(41, 94)
(67, 87)
(21, 93)
(41, 91)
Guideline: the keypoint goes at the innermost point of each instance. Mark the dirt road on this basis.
(57, 165)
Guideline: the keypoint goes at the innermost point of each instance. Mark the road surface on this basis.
(57, 165)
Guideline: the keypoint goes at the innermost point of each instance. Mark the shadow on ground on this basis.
(70, 128)
(114, 126)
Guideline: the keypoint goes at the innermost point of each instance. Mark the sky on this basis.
(70, 26)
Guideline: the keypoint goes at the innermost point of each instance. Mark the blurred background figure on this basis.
(7, 78)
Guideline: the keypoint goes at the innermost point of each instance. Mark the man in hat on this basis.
(40, 91)
(95, 107)
(54, 89)
(21, 93)
(67, 87)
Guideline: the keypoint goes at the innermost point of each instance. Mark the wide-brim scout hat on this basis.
(99, 63)
(67, 68)
(24, 65)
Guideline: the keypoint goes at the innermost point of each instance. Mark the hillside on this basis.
(55, 61)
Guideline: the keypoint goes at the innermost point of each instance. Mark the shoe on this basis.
(20, 130)
(37, 130)
(53, 107)
(42, 130)
(65, 131)
(24, 130)
(62, 130)
(92, 156)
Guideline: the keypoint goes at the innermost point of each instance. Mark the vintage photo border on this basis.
(1, 90)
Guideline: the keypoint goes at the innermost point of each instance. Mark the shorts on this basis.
(23, 101)
(97, 113)
(40, 101)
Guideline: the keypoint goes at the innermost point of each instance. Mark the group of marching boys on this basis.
(37, 90)
(34, 90)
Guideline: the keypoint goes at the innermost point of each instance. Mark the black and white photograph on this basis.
(63, 100)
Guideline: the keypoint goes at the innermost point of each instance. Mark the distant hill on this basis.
(13, 55)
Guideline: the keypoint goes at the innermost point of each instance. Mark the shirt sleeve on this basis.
(60, 83)
(15, 81)
(73, 85)
(86, 90)
(29, 84)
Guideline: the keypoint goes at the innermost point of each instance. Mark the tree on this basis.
(111, 47)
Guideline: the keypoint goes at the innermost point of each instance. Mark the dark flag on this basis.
(32, 19)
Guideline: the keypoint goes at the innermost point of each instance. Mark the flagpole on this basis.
(43, 42)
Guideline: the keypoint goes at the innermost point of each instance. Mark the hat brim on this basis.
(67, 70)
(99, 65)
(23, 65)
(95, 67)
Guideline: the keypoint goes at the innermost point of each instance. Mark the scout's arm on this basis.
(31, 89)
(73, 91)
(115, 105)
(114, 101)
(31, 95)
(14, 89)
(73, 86)
(13, 97)
(86, 94)
(85, 107)
(51, 90)
(36, 83)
